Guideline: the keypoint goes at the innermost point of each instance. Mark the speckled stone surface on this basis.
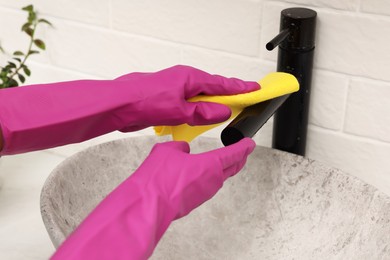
(281, 206)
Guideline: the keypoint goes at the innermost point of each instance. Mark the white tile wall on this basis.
(227, 64)
(86, 11)
(376, 6)
(349, 117)
(218, 24)
(368, 112)
(354, 43)
(327, 101)
(107, 53)
(350, 5)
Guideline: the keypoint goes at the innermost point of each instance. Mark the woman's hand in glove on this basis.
(168, 185)
(48, 115)
(164, 96)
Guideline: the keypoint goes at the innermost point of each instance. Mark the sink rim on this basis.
(51, 224)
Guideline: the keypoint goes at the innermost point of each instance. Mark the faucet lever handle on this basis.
(278, 39)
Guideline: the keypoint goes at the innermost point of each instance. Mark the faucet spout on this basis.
(277, 40)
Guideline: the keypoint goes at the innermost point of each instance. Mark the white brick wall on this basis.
(351, 5)
(349, 114)
(218, 24)
(105, 52)
(327, 101)
(86, 11)
(376, 6)
(368, 110)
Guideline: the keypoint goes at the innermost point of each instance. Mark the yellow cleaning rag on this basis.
(273, 85)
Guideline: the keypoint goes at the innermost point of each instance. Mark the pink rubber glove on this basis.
(44, 116)
(169, 184)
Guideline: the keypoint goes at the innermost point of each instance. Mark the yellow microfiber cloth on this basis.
(273, 85)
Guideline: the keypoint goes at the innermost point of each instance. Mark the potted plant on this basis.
(16, 70)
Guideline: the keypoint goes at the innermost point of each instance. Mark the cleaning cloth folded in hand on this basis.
(273, 85)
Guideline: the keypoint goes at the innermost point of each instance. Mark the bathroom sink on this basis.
(280, 206)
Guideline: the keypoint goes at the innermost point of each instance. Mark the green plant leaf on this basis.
(5, 70)
(18, 59)
(44, 21)
(26, 71)
(40, 44)
(26, 25)
(11, 65)
(29, 31)
(33, 52)
(21, 78)
(3, 73)
(29, 8)
(32, 17)
(12, 83)
(18, 53)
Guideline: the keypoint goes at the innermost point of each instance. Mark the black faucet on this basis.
(296, 42)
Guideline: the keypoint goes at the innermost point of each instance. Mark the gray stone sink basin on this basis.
(281, 206)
